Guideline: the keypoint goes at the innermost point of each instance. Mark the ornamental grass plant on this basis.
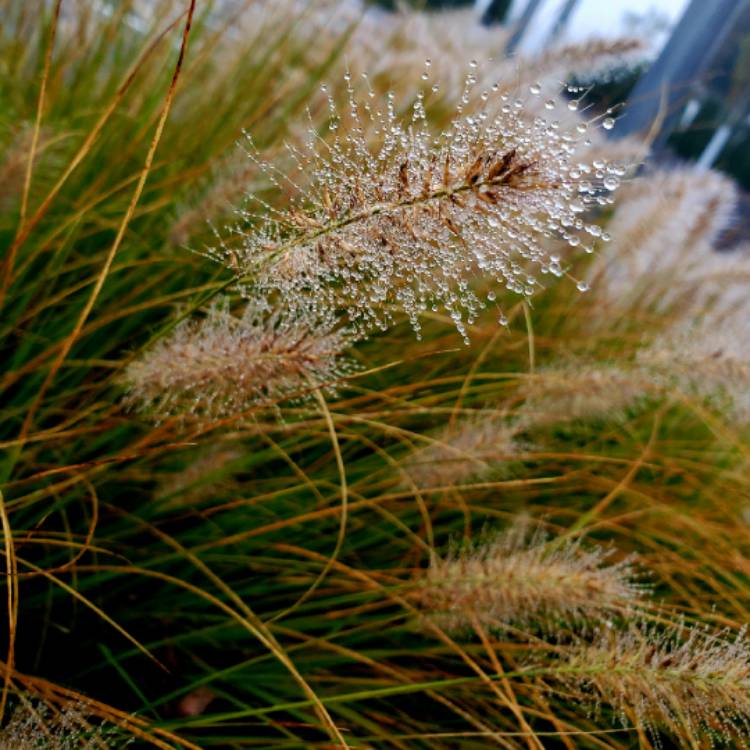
(358, 391)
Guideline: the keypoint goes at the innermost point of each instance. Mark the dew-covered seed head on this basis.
(382, 215)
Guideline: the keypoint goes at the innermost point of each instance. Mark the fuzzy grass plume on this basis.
(406, 222)
(521, 576)
(687, 681)
(664, 233)
(706, 358)
(225, 364)
(581, 390)
(34, 726)
(471, 448)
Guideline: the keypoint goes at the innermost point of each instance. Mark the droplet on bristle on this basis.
(611, 182)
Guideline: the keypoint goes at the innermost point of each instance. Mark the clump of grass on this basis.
(188, 602)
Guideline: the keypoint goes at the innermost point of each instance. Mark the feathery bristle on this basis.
(407, 223)
(520, 576)
(470, 449)
(224, 364)
(695, 680)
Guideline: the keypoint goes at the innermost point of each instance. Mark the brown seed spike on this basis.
(403, 178)
(225, 364)
(474, 172)
(686, 676)
(501, 166)
(518, 170)
(447, 171)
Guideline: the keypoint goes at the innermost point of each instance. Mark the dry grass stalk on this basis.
(469, 449)
(694, 680)
(224, 364)
(408, 223)
(519, 576)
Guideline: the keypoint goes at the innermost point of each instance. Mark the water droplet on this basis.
(491, 296)
(473, 64)
(573, 105)
(608, 123)
(582, 286)
(535, 88)
(503, 320)
(611, 182)
(549, 104)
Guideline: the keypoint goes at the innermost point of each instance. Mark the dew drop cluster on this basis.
(379, 215)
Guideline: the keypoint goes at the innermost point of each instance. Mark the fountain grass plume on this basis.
(470, 449)
(225, 364)
(581, 390)
(520, 576)
(386, 216)
(665, 230)
(35, 726)
(684, 680)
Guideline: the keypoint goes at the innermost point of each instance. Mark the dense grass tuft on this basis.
(259, 554)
